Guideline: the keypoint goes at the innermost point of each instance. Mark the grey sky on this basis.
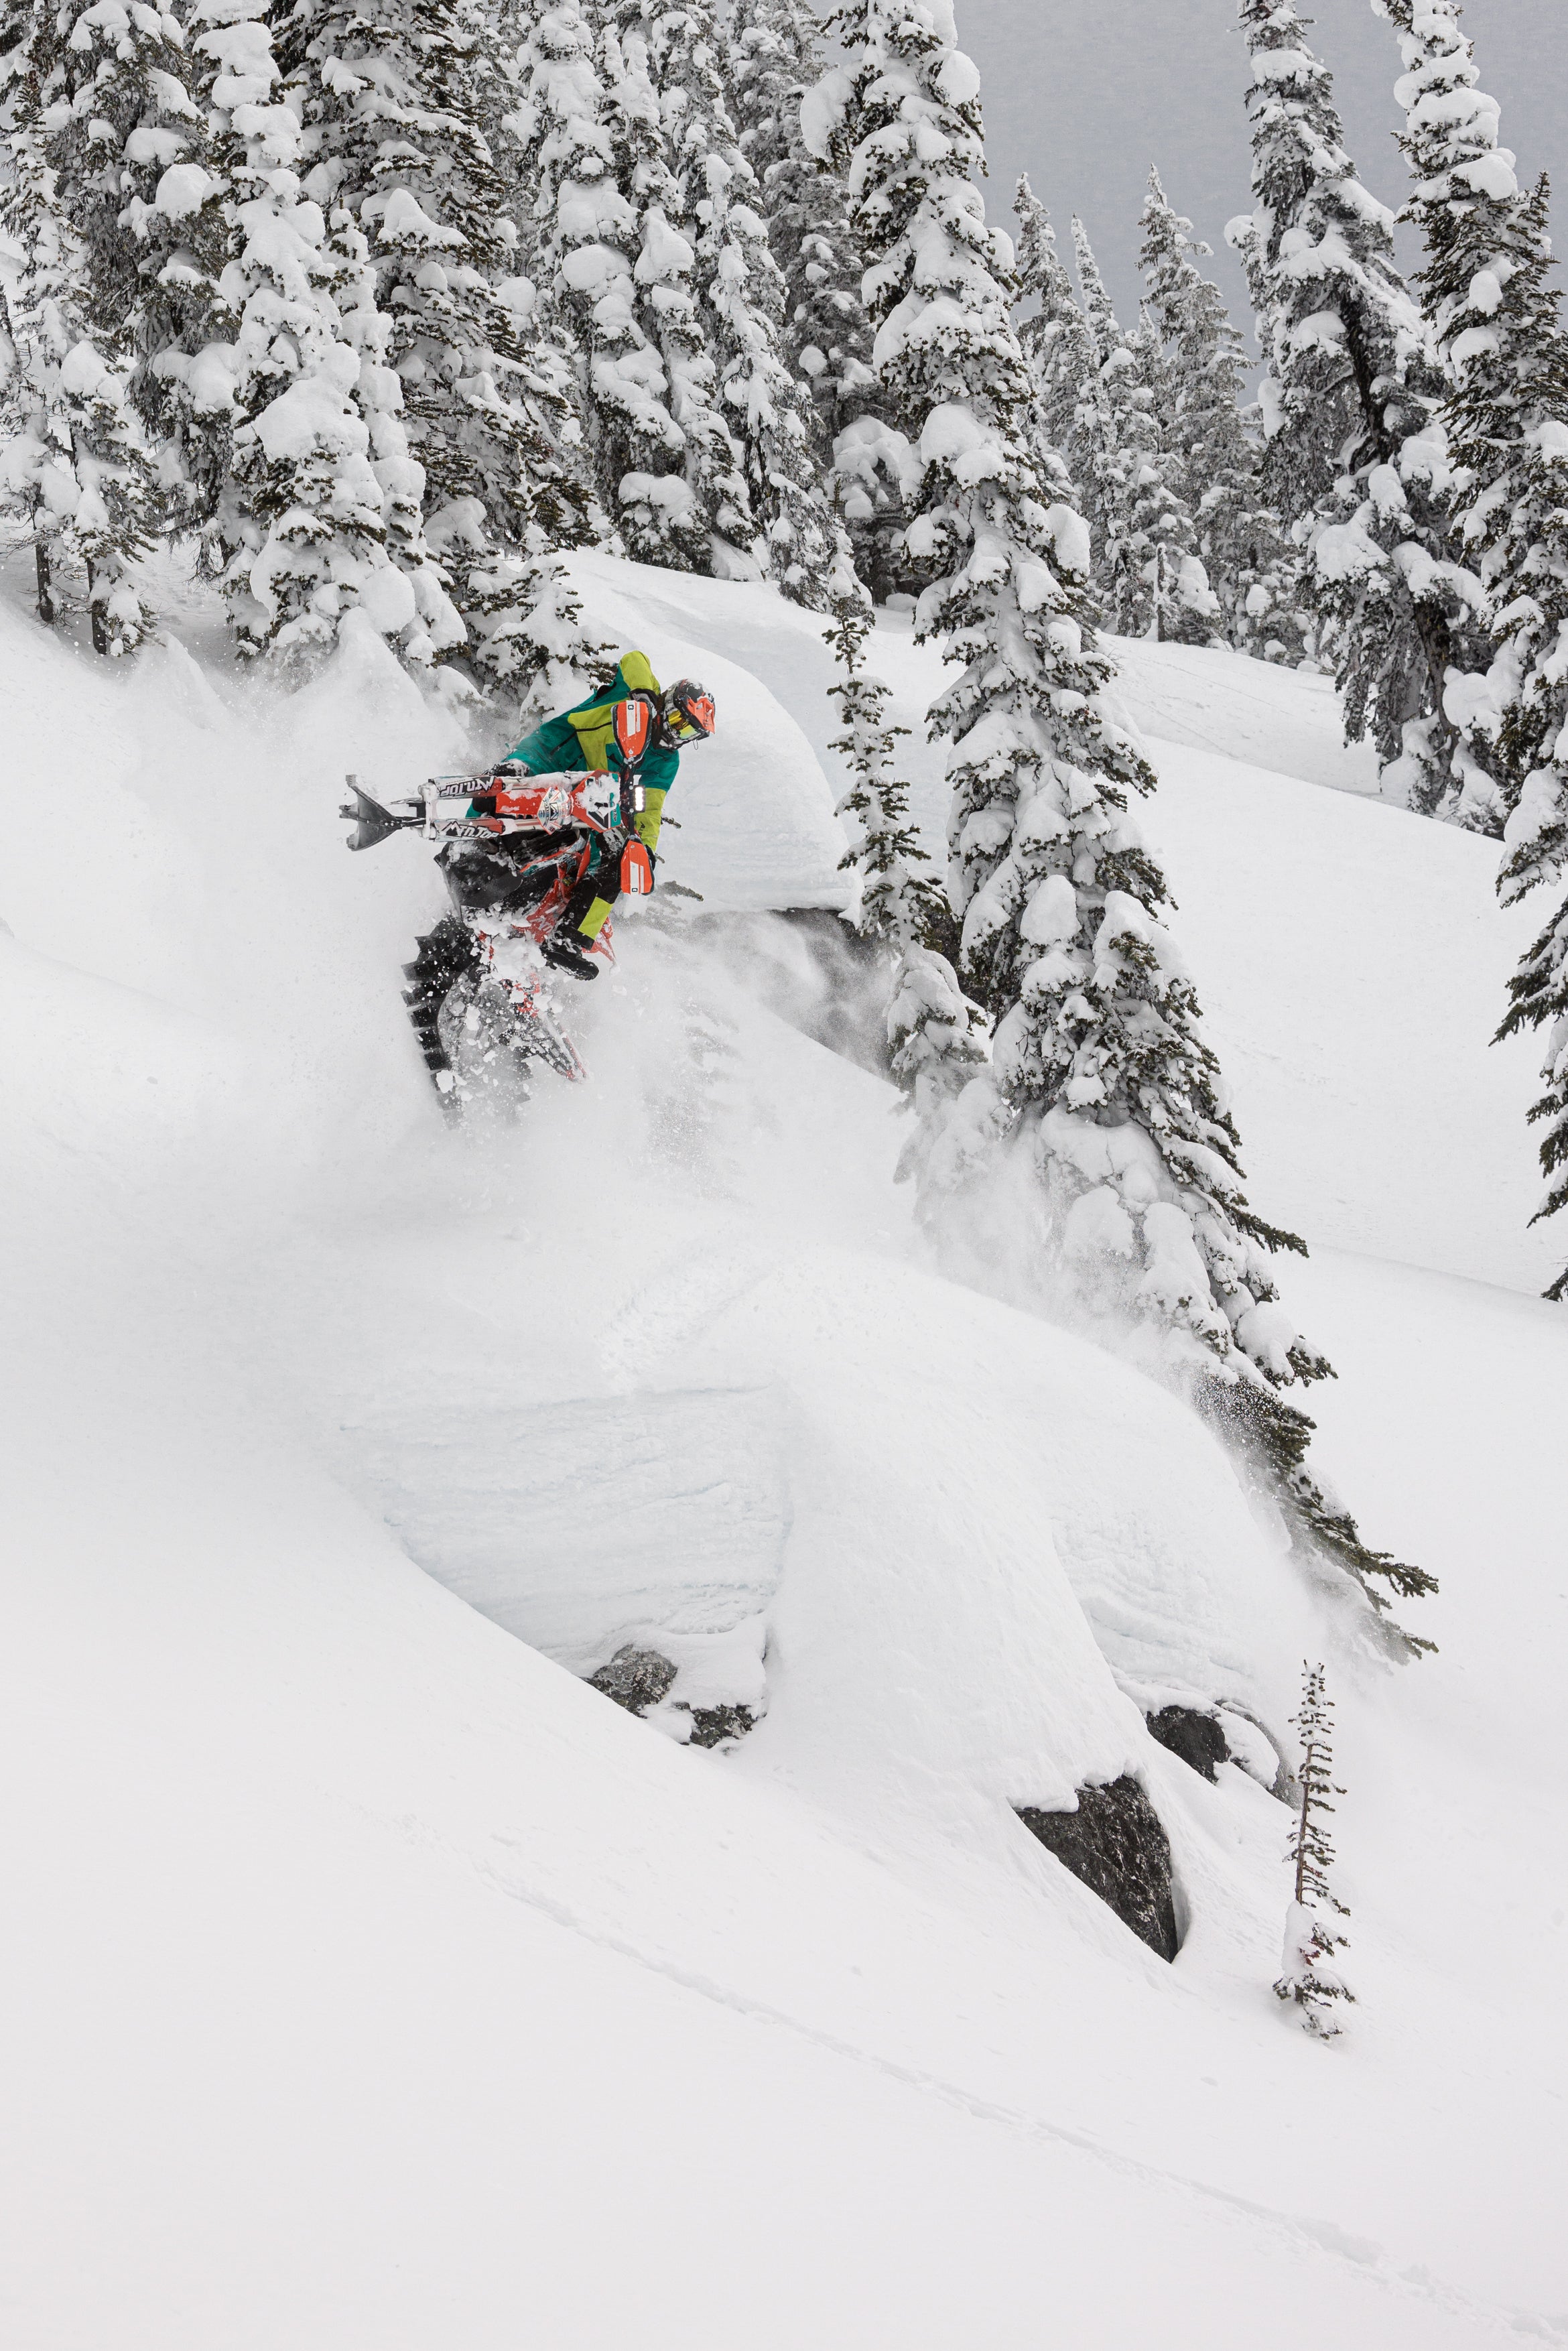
(1085, 94)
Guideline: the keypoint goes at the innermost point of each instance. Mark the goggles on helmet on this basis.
(689, 712)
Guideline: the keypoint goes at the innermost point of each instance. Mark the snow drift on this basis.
(382, 1977)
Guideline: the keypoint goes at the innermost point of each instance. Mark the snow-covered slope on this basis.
(388, 1986)
(1212, 700)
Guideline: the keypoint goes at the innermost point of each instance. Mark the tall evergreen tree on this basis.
(73, 458)
(390, 113)
(1175, 600)
(302, 512)
(588, 249)
(1475, 224)
(1355, 457)
(1495, 320)
(1312, 1980)
(1249, 563)
(16, 16)
(1054, 336)
(1510, 432)
(741, 291)
(1101, 1072)
(1150, 579)
(686, 494)
(875, 464)
(1099, 460)
(133, 165)
(774, 59)
(1337, 330)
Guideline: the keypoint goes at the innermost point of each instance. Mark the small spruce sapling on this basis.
(898, 903)
(1312, 1980)
(937, 1037)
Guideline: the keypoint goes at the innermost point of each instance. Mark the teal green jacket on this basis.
(585, 737)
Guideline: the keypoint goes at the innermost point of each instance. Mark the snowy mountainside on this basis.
(1208, 699)
(388, 1986)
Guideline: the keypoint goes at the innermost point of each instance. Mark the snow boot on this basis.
(567, 955)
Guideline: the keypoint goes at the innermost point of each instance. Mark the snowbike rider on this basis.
(535, 854)
(584, 739)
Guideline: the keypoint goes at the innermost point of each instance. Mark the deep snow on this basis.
(386, 1986)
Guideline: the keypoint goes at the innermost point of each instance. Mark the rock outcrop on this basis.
(1116, 1845)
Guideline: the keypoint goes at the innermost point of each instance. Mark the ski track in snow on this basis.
(668, 1363)
(1319, 2235)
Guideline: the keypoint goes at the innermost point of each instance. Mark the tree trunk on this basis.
(1302, 1830)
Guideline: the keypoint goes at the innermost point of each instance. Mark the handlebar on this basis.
(507, 801)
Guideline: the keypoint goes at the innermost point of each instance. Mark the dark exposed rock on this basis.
(1197, 1738)
(634, 1678)
(712, 1724)
(1116, 1844)
(640, 1679)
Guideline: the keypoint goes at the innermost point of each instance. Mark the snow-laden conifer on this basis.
(74, 462)
(1467, 201)
(134, 170)
(675, 496)
(1336, 325)
(390, 114)
(1054, 339)
(301, 520)
(540, 647)
(588, 246)
(774, 59)
(1247, 562)
(1054, 334)
(16, 17)
(128, 145)
(1494, 318)
(900, 900)
(875, 471)
(1354, 454)
(1464, 196)
(1100, 1074)
(937, 1037)
(1511, 425)
(1312, 1980)
(1150, 579)
(1174, 600)
(742, 291)
(1538, 846)
(1098, 460)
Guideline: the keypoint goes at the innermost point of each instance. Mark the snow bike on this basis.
(515, 847)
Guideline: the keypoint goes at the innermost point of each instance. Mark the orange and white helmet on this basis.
(689, 713)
